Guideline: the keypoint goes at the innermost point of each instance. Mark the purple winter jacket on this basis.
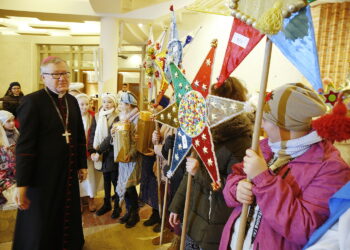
(294, 206)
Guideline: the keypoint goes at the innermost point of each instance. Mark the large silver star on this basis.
(204, 137)
(196, 142)
(210, 162)
(196, 82)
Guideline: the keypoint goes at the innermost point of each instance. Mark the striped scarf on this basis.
(284, 151)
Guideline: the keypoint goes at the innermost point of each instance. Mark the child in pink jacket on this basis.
(291, 182)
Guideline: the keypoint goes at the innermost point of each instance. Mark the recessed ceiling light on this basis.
(140, 25)
(6, 32)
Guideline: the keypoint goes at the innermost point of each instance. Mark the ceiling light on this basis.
(135, 60)
(7, 32)
(140, 25)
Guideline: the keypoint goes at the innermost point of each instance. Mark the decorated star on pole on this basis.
(197, 111)
(192, 116)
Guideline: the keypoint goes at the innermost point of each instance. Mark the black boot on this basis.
(156, 228)
(133, 219)
(153, 219)
(117, 210)
(105, 208)
(125, 218)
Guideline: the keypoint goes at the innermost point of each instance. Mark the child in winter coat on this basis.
(101, 151)
(129, 169)
(148, 186)
(208, 211)
(292, 180)
(8, 139)
(88, 187)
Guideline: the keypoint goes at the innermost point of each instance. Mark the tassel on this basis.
(271, 21)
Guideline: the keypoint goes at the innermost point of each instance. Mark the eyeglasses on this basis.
(57, 76)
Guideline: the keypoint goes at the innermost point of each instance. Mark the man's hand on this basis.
(253, 164)
(22, 200)
(244, 192)
(192, 165)
(174, 219)
(82, 174)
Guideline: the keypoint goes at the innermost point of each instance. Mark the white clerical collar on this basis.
(60, 95)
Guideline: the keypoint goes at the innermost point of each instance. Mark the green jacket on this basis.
(208, 211)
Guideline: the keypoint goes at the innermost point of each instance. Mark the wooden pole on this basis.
(157, 158)
(256, 134)
(164, 202)
(187, 205)
(158, 187)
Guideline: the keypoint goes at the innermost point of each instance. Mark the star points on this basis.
(208, 62)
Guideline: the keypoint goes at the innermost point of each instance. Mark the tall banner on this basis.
(297, 42)
(243, 39)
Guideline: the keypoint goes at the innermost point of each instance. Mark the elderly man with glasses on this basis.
(50, 159)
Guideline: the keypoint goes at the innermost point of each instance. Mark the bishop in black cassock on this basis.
(48, 166)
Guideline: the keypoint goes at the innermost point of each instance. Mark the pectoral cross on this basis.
(66, 134)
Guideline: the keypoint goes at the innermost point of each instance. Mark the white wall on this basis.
(19, 58)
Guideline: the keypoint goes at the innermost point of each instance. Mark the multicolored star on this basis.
(194, 109)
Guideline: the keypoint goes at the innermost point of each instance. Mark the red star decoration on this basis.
(269, 96)
(331, 97)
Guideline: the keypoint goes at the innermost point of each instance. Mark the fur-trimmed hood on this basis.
(237, 126)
